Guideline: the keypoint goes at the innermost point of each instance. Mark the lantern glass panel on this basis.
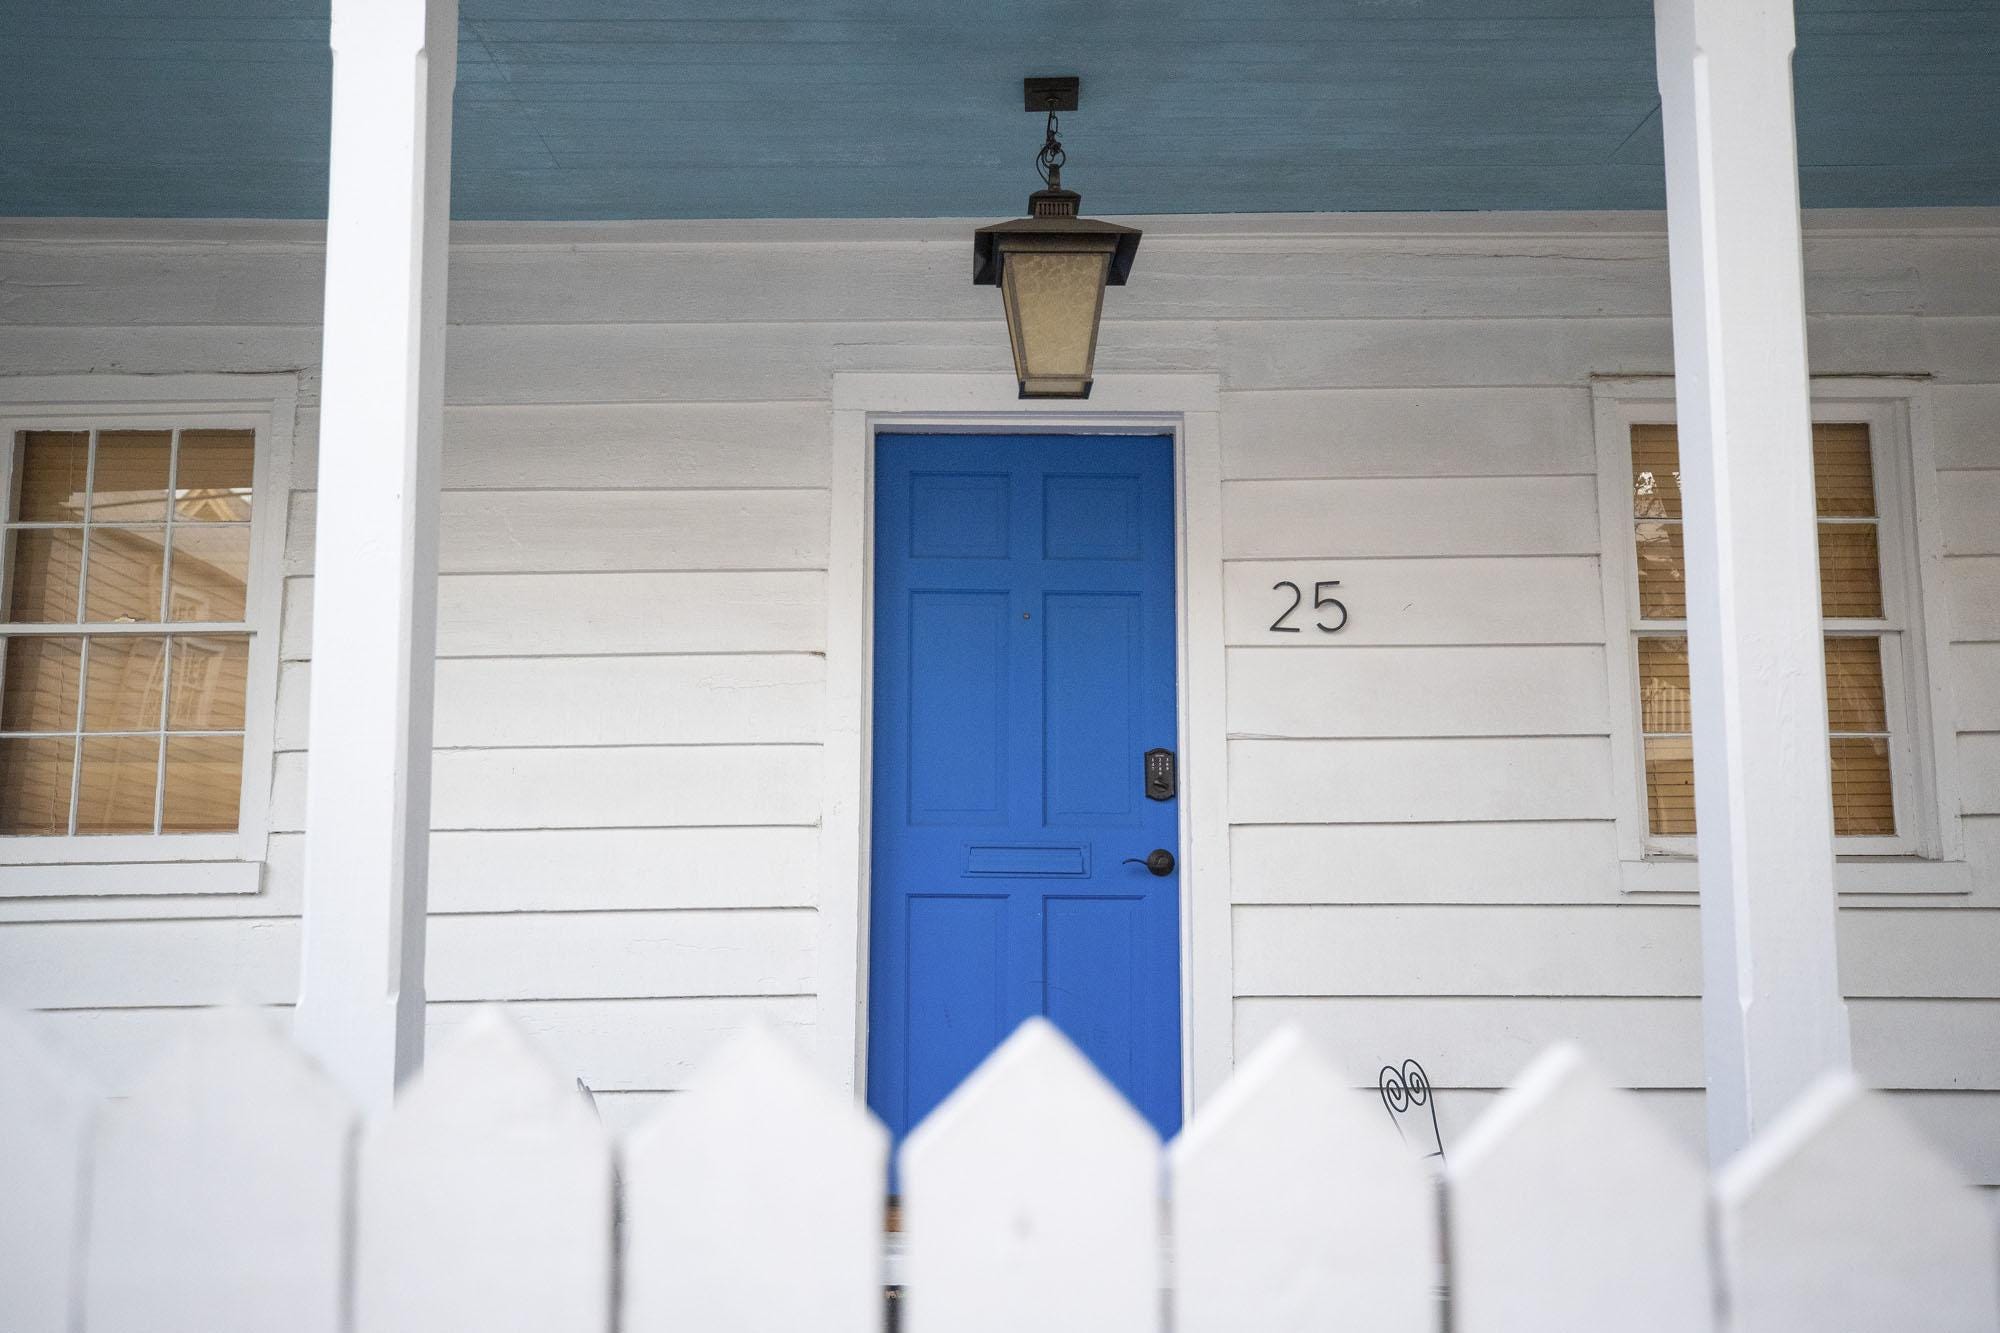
(1053, 298)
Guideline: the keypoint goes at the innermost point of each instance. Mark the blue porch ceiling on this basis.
(886, 108)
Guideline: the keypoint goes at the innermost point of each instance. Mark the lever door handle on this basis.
(1160, 861)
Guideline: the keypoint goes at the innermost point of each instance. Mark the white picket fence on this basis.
(236, 1191)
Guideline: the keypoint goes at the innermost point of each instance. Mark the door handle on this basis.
(1160, 861)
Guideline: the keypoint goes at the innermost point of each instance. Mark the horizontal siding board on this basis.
(1443, 691)
(1979, 761)
(554, 532)
(1975, 681)
(1640, 1042)
(1972, 591)
(1625, 950)
(1970, 502)
(1557, 599)
(1425, 863)
(1377, 432)
(1966, 421)
(554, 615)
(1427, 780)
(500, 702)
(615, 955)
(109, 964)
(603, 787)
(1387, 516)
(538, 870)
(1323, 353)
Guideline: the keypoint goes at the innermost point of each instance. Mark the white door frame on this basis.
(1183, 406)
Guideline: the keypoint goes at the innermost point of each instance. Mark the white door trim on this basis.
(1183, 406)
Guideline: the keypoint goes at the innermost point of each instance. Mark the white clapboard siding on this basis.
(600, 787)
(1391, 516)
(705, 699)
(1031, 1198)
(1840, 1216)
(1304, 354)
(485, 1198)
(624, 1045)
(1571, 1212)
(606, 955)
(574, 531)
(1968, 502)
(1975, 680)
(45, 1120)
(1297, 1208)
(1972, 592)
(1443, 691)
(1546, 862)
(1430, 780)
(1400, 432)
(79, 964)
(1964, 1127)
(219, 1192)
(1966, 421)
(755, 1202)
(1979, 755)
(1554, 599)
(623, 869)
(1630, 949)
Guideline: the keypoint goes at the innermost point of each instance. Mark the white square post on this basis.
(1772, 1014)
(361, 1007)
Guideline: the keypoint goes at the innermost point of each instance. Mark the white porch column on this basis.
(361, 1008)
(1772, 1014)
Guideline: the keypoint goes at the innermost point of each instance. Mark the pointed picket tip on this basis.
(491, 1073)
(754, 1200)
(1036, 1071)
(1572, 1209)
(1842, 1215)
(45, 1119)
(1297, 1205)
(221, 1188)
(1031, 1199)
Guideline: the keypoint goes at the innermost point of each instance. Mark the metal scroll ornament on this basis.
(1406, 1091)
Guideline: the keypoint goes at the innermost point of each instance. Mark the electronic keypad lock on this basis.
(1160, 783)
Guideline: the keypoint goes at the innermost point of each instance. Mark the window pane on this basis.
(208, 679)
(1662, 572)
(131, 481)
(1656, 473)
(1854, 699)
(1843, 470)
(34, 785)
(213, 483)
(204, 782)
(46, 566)
(1670, 785)
(1663, 686)
(1850, 571)
(126, 567)
(211, 566)
(115, 791)
(121, 690)
(54, 471)
(41, 684)
(1864, 804)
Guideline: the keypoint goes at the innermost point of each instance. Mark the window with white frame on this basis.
(137, 658)
(1876, 723)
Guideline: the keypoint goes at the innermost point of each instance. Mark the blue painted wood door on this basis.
(1024, 664)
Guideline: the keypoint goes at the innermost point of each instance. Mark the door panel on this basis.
(1024, 664)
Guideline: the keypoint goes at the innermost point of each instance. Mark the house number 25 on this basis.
(1321, 602)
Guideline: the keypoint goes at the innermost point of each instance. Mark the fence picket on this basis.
(754, 1201)
(45, 1111)
(1570, 1211)
(219, 1190)
(1031, 1200)
(1841, 1217)
(1296, 1206)
(485, 1198)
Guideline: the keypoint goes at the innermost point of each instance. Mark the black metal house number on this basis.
(1321, 602)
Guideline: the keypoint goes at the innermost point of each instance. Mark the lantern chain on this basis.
(1049, 161)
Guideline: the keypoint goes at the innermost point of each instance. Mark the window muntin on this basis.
(124, 678)
(1861, 643)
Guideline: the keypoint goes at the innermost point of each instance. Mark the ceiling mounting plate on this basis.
(1056, 94)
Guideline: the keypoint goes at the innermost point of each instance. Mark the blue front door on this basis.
(1024, 666)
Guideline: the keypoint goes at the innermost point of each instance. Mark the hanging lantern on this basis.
(1052, 266)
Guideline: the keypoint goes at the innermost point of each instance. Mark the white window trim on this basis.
(137, 864)
(1927, 855)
